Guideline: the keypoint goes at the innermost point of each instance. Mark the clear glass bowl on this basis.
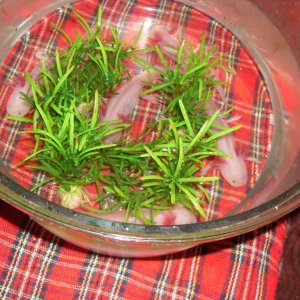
(276, 191)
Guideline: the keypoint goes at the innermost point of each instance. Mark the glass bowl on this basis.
(274, 189)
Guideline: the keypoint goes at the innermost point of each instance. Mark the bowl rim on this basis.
(40, 210)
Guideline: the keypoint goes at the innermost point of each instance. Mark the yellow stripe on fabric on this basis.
(263, 263)
(250, 269)
(108, 262)
(184, 14)
(259, 117)
(238, 251)
(126, 12)
(20, 247)
(177, 278)
(89, 272)
(47, 260)
(160, 288)
(215, 194)
(119, 277)
(193, 276)
(29, 266)
(161, 10)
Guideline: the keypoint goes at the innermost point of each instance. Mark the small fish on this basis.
(166, 41)
(233, 169)
(16, 105)
(126, 99)
(178, 215)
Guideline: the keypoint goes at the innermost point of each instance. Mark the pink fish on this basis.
(233, 169)
(178, 215)
(126, 99)
(16, 105)
(166, 41)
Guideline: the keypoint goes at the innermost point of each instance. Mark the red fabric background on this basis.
(35, 264)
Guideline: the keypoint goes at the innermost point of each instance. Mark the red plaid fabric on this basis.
(34, 264)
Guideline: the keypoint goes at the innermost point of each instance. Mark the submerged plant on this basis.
(133, 175)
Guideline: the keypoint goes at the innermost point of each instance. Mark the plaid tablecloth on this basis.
(35, 264)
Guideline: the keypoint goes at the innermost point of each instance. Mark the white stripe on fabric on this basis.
(20, 249)
(92, 268)
(119, 276)
(177, 278)
(238, 252)
(250, 268)
(194, 271)
(263, 264)
(47, 259)
(160, 290)
(32, 258)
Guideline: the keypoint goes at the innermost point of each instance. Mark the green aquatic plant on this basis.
(70, 138)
